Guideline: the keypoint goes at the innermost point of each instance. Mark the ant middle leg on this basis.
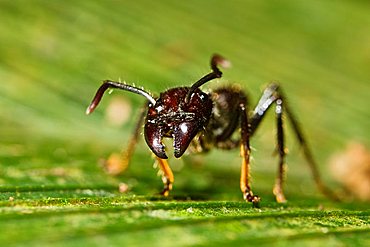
(278, 188)
(271, 95)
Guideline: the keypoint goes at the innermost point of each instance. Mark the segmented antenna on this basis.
(216, 60)
(112, 84)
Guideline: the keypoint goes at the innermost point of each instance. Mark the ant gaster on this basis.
(198, 121)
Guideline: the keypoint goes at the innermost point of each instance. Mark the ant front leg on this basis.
(245, 153)
(167, 176)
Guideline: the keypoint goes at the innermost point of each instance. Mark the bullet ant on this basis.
(198, 121)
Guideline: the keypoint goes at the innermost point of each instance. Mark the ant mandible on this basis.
(198, 121)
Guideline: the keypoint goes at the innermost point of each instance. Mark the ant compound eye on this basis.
(202, 97)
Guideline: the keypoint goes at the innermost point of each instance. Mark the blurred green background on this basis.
(54, 55)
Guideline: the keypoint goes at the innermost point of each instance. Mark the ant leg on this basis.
(309, 157)
(270, 96)
(273, 94)
(167, 176)
(115, 168)
(278, 188)
(245, 153)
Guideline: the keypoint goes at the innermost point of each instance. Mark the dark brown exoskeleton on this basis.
(198, 121)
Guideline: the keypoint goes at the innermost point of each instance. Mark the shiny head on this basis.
(171, 117)
(179, 113)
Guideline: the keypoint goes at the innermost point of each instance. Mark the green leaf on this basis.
(53, 57)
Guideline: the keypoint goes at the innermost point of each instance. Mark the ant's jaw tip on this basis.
(178, 153)
(162, 155)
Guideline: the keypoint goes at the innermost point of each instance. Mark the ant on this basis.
(198, 121)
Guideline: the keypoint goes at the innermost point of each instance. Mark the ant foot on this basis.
(167, 189)
(165, 192)
(249, 197)
(280, 198)
(279, 195)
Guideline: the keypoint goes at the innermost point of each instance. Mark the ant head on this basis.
(179, 113)
(171, 116)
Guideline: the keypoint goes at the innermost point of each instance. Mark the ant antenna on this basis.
(216, 60)
(112, 84)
